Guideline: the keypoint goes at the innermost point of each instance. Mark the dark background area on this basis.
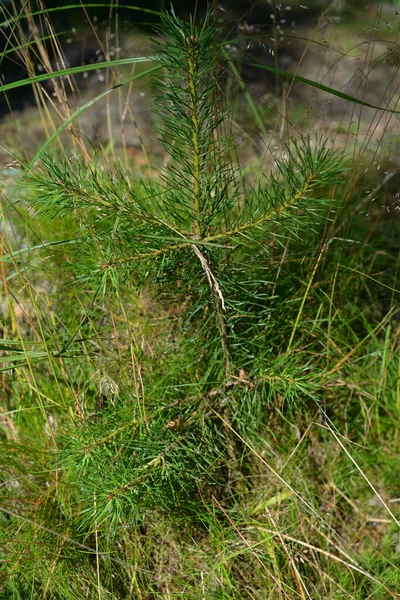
(256, 17)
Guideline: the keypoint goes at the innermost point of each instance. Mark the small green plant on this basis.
(175, 408)
(198, 233)
(202, 239)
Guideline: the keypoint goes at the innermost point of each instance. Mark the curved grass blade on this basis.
(320, 86)
(70, 120)
(74, 70)
(53, 9)
(31, 43)
(11, 256)
(20, 357)
(254, 110)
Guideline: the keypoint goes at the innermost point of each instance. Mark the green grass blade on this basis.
(323, 88)
(254, 110)
(55, 9)
(74, 70)
(71, 119)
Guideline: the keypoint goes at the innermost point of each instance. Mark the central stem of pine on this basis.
(197, 229)
(219, 304)
(195, 136)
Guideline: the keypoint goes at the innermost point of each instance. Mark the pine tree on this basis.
(199, 237)
(197, 234)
